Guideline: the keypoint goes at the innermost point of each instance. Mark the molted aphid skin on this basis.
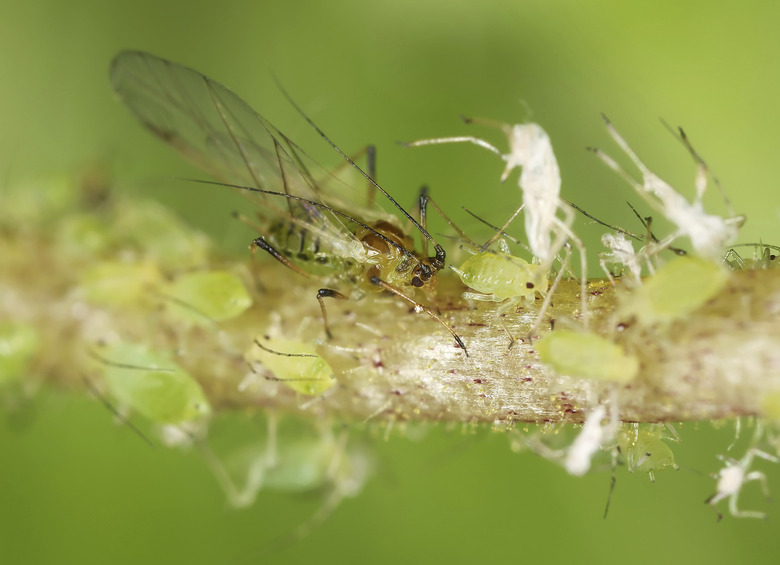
(733, 477)
(709, 234)
(587, 356)
(680, 287)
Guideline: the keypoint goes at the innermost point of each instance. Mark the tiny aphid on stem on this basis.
(307, 224)
(498, 276)
(530, 150)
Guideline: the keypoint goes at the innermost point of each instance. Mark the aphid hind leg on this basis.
(419, 308)
(117, 414)
(261, 243)
(327, 293)
(549, 295)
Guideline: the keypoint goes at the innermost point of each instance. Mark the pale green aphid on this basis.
(294, 363)
(587, 355)
(644, 449)
(18, 344)
(677, 289)
(114, 283)
(321, 463)
(148, 382)
(207, 296)
(499, 276)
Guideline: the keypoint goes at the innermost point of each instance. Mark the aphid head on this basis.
(427, 268)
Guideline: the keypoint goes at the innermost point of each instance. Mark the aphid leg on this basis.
(424, 200)
(370, 153)
(119, 416)
(548, 297)
(327, 293)
(340, 488)
(566, 235)
(498, 233)
(613, 479)
(261, 243)
(419, 308)
(422, 204)
(500, 315)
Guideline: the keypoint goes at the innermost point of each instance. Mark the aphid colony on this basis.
(310, 224)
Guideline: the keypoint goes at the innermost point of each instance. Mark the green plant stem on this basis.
(394, 365)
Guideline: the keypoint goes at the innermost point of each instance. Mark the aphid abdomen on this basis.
(501, 276)
(306, 249)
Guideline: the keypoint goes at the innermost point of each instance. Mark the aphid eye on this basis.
(529, 285)
(417, 282)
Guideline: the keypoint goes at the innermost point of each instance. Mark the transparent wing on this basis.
(221, 134)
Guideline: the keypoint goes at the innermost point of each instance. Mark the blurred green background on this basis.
(76, 489)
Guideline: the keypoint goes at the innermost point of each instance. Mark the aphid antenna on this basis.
(707, 232)
(501, 232)
(498, 233)
(95, 355)
(119, 416)
(321, 205)
(279, 379)
(295, 151)
(425, 200)
(370, 153)
(282, 354)
(186, 305)
(646, 223)
(618, 229)
(439, 250)
(704, 168)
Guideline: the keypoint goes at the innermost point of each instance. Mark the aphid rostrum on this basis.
(309, 225)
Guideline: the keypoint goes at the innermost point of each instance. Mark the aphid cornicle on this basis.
(310, 228)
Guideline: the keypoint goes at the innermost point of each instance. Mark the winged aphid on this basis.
(309, 226)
